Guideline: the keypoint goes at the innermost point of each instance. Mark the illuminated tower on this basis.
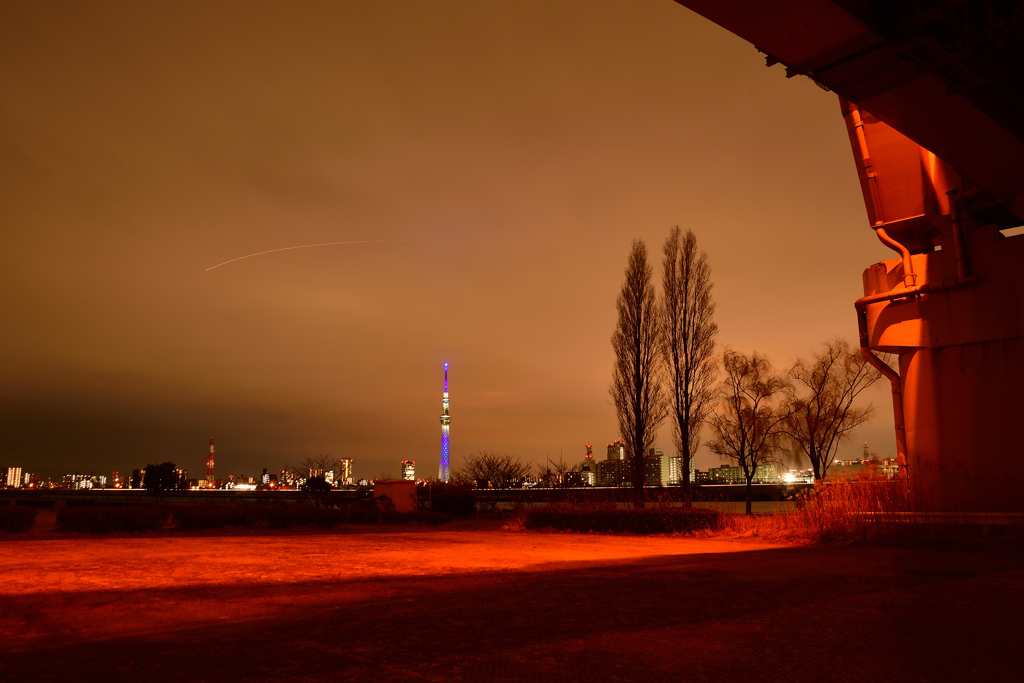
(442, 470)
(209, 468)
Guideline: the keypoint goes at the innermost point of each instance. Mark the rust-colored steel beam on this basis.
(920, 67)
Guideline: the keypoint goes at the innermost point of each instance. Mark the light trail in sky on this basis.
(298, 246)
(425, 239)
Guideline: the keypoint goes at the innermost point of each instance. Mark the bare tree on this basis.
(636, 388)
(313, 473)
(493, 473)
(317, 466)
(688, 313)
(823, 416)
(558, 474)
(747, 417)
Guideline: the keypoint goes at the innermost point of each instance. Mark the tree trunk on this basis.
(687, 491)
(687, 458)
(815, 458)
(749, 507)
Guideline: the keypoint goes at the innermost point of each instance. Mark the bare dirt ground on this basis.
(473, 602)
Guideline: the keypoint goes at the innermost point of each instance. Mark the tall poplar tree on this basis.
(689, 330)
(636, 386)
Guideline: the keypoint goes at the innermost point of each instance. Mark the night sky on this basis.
(497, 159)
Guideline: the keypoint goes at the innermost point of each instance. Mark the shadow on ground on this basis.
(796, 614)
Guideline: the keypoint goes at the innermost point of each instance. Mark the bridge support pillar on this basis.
(961, 362)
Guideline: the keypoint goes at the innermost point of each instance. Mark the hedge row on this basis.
(640, 521)
(101, 519)
(16, 519)
(199, 517)
(105, 519)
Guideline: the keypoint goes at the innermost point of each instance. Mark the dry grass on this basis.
(833, 512)
(841, 512)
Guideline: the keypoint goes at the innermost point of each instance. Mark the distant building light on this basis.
(409, 470)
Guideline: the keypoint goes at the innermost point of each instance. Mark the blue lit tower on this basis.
(442, 470)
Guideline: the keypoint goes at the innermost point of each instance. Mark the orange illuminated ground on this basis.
(479, 603)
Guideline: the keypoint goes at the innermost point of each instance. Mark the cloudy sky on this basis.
(495, 158)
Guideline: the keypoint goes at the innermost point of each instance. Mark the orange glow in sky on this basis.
(143, 143)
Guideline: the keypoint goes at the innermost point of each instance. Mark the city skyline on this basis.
(486, 157)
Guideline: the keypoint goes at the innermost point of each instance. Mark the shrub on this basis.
(453, 499)
(16, 519)
(611, 520)
(103, 519)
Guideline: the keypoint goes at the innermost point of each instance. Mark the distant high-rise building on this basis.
(617, 450)
(14, 477)
(612, 472)
(409, 470)
(442, 470)
(675, 470)
(79, 481)
(656, 468)
(345, 472)
(211, 482)
(662, 470)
